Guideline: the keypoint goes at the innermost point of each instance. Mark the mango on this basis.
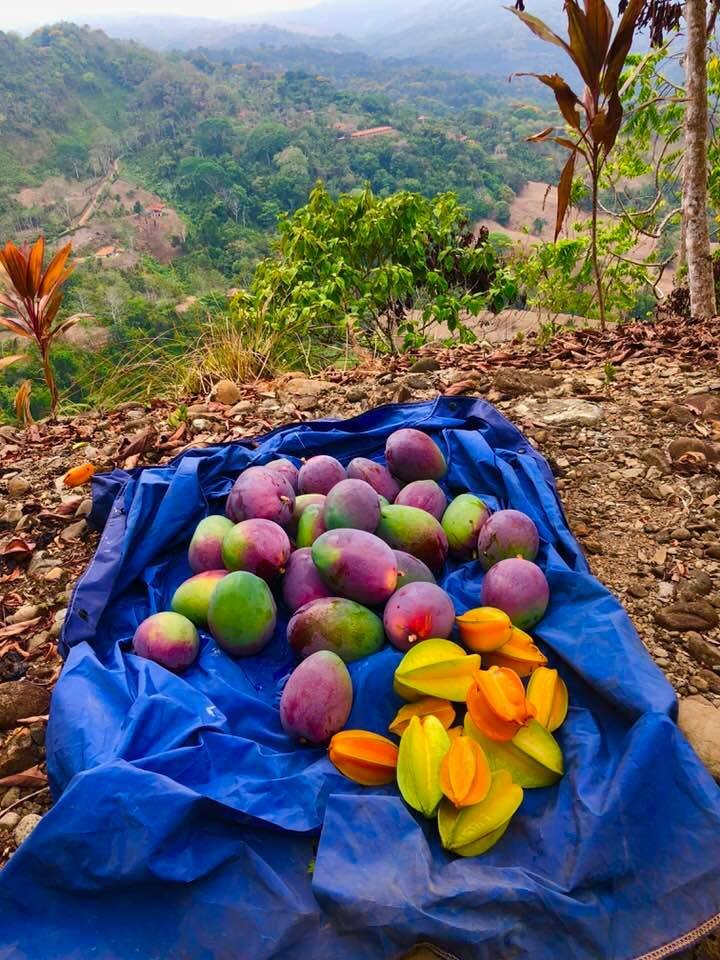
(169, 639)
(422, 748)
(519, 588)
(356, 565)
(352, 504)
(417, 612)
(342, 626)
(192, 598)
(411, 570)
(258, 546)
(442, 709)
(320, 474)
(547, 692)
(378, 476)
(416, 532)
(412, 455)
(511, 755)
(205, 551)
(311, 525)
(317, 698)
(301, 501)
(470, 831)
(259, 493)
(285, 468)
(484, 628)
(365, 757)
(508, 533)
(242, 613)
(465, 775)
(462, 522)
(519, 654)
(435, 668)
(425, 495)
(497, 703)
(302, 583)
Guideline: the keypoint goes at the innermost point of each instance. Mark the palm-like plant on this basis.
(34, 295)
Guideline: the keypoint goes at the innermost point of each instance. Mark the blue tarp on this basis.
(187, 825)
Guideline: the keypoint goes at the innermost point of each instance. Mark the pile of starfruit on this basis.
(473, 736)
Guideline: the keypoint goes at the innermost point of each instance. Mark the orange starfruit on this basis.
(465, 772)
(77, 476)
(519, 654)
(548, 694)
(497, 703)
(442, 709)
(484, 629)
(365, 757)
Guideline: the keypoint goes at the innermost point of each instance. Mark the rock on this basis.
(9, 797)
(638, 590)
(560, 413)
(700, 722)
(9, 820)
(58, 621)
(37, 641)
(18, 751)
(698, 585)
(53, 575)
(357, 394)
(687, 615)
(418, 381)
(200, 424)
(227, 392)
(680, 533)
(21, 698)
(26, 826)
(683, 448)
(425, 365)
(702, 650)
(522, 383)
(7, 432)
(74, 531)
(28, 611)
(302, 388)
(13, 513)
(556, 364)
(707, 405)
(709, 680)
(18, 487)
(678, 413)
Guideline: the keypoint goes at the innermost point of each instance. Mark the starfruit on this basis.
(547, 692)
(435, 668)
(533, 757)
(465, 774)
(77, 476)
(519, 654)
(497, 703)
(471, 831)
(442, 709)
(422, 748)
(454, 733)
(364, 757)
(484, 628)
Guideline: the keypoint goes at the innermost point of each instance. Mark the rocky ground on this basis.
(630, 426)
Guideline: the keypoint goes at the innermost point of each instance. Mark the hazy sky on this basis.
(17, 17)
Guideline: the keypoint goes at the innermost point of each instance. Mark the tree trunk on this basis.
(695, 164)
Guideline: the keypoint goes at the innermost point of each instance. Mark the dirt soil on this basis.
(629, 421)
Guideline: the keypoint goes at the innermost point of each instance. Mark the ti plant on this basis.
(34, 295)
(594, 117)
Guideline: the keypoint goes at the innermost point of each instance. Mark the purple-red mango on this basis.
(518, 587)
(169, 639)
(352, 504)
(258, 546)
(205, 551)
(418, 612)
(425, 495)
(259, 493)
(317, 698)
(302, 583)
(378, 476)
(320, 474)
(356, 565)
(412, 455)
(508, 533)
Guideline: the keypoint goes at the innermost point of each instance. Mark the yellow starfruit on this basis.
(497, 703)
(484, 629)
(519, 654)
(465, 773)
(365, 757)
(422, 748)
(435, 668)
(442, 709)
(470, 831)
(533, 757)
(547, 692)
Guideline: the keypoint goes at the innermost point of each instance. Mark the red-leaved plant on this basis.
(595, 117)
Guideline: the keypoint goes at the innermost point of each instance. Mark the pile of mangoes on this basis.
(353, 553)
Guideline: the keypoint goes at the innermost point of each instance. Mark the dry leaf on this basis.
(17, 548)
(32, 777)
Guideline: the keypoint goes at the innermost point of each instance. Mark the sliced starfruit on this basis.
(542, 768)
(364, 757)
(470, 831)
(497, 703)
(422, 748)
(547, 692)
(442, 709)
(435, 668)
(484, 629)
(465, 774)
(519, 654)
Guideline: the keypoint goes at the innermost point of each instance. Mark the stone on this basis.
(53, 575)
(687, 615)
(678, 413)
(9, 797)
(425, 365)
(21, 698)
(28, 611)
(26, 827)
(700, 722)
(357, 394)
(700, 584)
(200, 424)
(713, 551)
(418, 381)
(701, 649)
(638, 590)
(680, 533)
(13, 513)
(684, 447)
(522, 383)
(561, 413)
(301, 387)
(709, 679)
(242, 407)
(9, 820)
(84, 507)
(58, 621)
(18, 752)
(18, 487)
(7, 432)
(227, 392)
(74, 531)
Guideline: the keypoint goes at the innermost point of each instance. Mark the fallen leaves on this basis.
(32, 777)
(17, 548)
